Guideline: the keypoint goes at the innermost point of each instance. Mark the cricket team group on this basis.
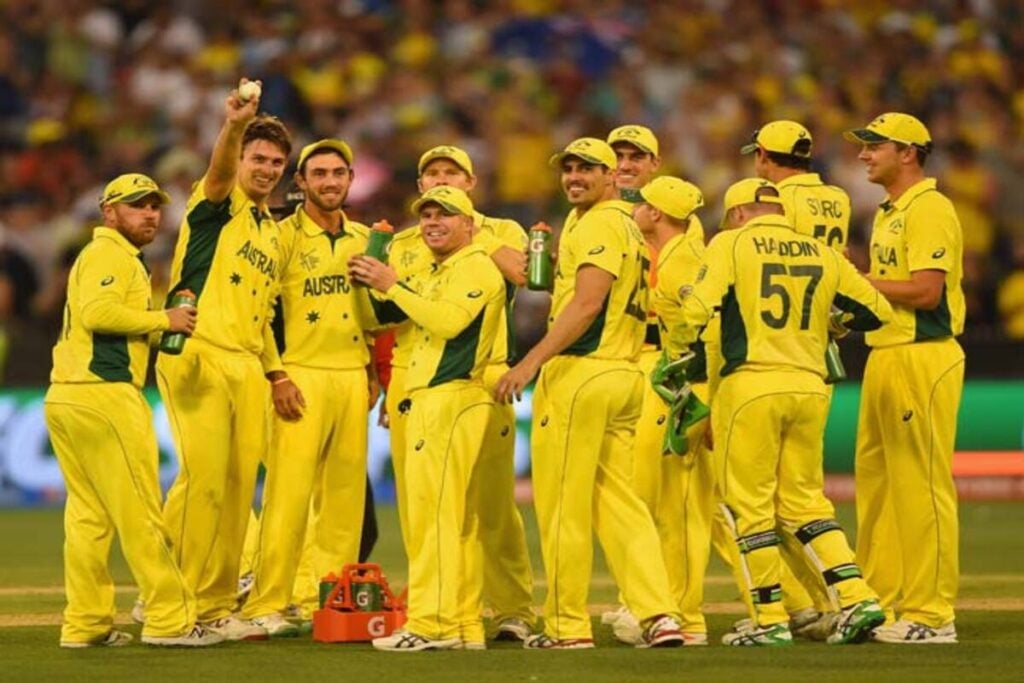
(680, 400)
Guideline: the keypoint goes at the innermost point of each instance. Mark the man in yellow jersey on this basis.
(508, 576)
(782, 154)
(775, 289)
(320, 428)
(907, 533)
(586, 405)
(684, 502)
(102, 430)
(216, 391)
(637, 156)
(457, 307)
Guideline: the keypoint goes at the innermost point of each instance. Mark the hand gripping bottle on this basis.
(379, 243)
(539, 270)
(173, 342)
(835, 372)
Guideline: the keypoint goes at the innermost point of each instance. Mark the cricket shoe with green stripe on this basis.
(905, 632)
(856, 623)
(406, 641)
(775, 635)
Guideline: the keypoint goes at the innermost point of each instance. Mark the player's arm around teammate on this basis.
(913, 380)
(101, 428)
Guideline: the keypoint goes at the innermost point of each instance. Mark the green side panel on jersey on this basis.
(734, 333)
(864, 320)
(459, 355)
(510, 327)
(206, 220)
(934, 324)
(277, 326)
(591, 339)
(110, 359)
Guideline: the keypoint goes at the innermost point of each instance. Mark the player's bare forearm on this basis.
(922, 291)
(227, 150)
(511, 263)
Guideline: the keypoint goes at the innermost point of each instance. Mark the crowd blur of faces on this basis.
(91, 89)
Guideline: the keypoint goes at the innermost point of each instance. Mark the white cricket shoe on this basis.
(405, 641)
(542, 641)
(760, 636)
(609, 618)
(113, 638)
(905, 632)
(276, 625)
(233, 628)
(199, 636)
(627, 629)
(663, 631)
(513, 628)
(139, 611)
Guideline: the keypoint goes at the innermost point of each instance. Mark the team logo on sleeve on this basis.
(596, 250)
(106, 281)
(685, 291)
(939, 253)
(475, 294)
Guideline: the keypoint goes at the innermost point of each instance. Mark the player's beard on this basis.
(332, 203)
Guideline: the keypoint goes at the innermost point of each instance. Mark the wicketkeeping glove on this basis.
(685, 412)
(669, 376)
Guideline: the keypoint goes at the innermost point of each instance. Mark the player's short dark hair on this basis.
(800, 163)
(269, 128)
(922, 152)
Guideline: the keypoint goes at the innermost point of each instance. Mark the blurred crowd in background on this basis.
(91, 89)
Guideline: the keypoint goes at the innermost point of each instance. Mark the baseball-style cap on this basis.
(893, 126)
(455, 154)
(131, 187)
(338, 146)
(748, 191)
(451, 199)
(591, 150)
(781, 137)
(672, 196)
(639, 136)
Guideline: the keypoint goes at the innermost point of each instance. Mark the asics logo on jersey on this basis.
(939, 253)
(907, 415)
(596, 250)
(106, 281)
(475, 294)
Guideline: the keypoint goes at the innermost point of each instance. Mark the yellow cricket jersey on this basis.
(678, 263)
(775, 289)
(322, 316)
(107, 320)
(816, 209)
(456, 308)
(228, 254)
(919, 231)
(607, 237)
(409, 255)
(694, 236)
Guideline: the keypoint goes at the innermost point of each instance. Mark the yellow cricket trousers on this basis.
(583, 448)
(326, 450)
(217, 404)
(396, 401)
(907, 530)
(769, 427)
(104, 440)
(446, 426)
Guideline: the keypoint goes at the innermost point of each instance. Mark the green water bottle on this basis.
(834, 370)
(539, 270)
(381, 234)
(172, 343)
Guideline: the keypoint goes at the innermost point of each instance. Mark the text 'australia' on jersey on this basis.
(228, 254)
(775, 289)
(606, 237)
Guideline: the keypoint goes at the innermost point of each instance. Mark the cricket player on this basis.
(321, 401)
(782, 154)
(457, 307)
(775, 289)
(907, 535)
(216, 392)
(586, 404)
(501, 549)
(101, 428)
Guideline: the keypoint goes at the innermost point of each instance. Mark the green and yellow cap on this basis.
(132, 187)
(640, 137)
(451, 152)
(672, 196)
(451, 199)
(339, 146)
(781, 137)
(893, 126)
(590, 150)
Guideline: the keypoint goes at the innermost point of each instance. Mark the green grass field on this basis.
(990, 624)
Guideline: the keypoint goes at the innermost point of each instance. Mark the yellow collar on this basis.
(910, 195)
(311, 228)
(112, 234)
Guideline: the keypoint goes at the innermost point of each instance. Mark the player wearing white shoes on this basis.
(775, 289)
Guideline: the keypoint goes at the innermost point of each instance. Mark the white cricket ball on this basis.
(249, 90)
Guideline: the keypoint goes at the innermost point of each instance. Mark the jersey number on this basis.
(771, 289)
(835, 235)
(634, 307)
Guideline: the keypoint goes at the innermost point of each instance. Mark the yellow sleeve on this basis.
(600, 242)
(855, 295)
(488, 240)
(464, 296)
(104, 278)
(933, 233)
(673, 286)
(511, 234)
(713, 280)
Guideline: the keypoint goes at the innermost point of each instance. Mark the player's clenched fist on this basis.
(369, 271)
(182, 319)
(243, 102)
